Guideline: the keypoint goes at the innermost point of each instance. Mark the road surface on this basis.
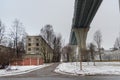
(48, 73)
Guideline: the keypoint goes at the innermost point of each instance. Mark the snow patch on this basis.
(101, 68)
(16, 70)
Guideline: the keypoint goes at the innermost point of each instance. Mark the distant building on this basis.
(4, 48)
(37, 47)
(108, 55)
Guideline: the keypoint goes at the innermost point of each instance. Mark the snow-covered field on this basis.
(101, 68)
(15, 70)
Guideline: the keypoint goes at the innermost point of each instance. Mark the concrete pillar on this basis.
(81, 35)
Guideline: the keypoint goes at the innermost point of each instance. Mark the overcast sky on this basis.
(34, 14)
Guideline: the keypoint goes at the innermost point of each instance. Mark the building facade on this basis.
(33, 45)
(36, 46)
(4, 48)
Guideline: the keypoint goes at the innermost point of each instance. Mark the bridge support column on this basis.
(81, 35)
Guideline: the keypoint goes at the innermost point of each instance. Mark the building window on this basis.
(29, 44)
(37, 49)
(37, 39)
(29, 39)
(29, 49)
(37, 44)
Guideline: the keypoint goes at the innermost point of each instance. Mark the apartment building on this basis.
(37, 47)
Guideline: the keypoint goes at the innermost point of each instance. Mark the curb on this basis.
(75, 74)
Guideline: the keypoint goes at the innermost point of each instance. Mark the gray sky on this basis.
(34, 14)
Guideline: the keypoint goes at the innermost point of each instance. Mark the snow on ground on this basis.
(15, 70)
(101, 68)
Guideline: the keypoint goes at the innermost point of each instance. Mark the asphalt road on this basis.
(48, 73)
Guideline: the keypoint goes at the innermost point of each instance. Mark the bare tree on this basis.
(98, 41)
(16, 34)
(54, 41)
(2, 31)
(10, 44)
(46, 51)
(91, 47)
(57, 45)
(67, 50)
(47, 33)
(117, 43)
(7, 56)
(23, 41)
(43, 50)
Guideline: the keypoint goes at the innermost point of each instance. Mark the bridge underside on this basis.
(84, 12)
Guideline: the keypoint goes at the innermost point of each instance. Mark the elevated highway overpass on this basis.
(84, 12)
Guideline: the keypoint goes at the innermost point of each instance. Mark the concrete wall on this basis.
(29, 61)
